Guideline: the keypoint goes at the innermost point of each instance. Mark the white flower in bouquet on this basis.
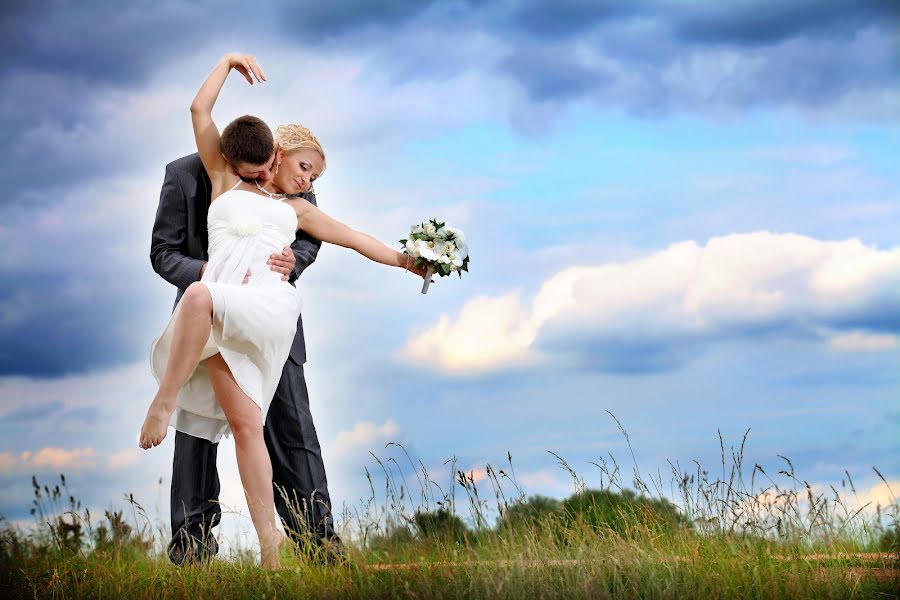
(443, 249)
(426, 250)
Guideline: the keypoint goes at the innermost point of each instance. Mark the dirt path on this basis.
(884, 566)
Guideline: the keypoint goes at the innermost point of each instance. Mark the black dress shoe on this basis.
(186, 550)
(331, 552)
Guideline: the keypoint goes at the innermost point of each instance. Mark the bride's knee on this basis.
(246, 427)
(197, 298)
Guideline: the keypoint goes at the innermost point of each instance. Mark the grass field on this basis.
(737, 535)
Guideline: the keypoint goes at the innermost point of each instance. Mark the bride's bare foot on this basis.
(270, 551)
(156, 423)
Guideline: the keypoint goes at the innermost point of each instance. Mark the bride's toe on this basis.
(153, 432)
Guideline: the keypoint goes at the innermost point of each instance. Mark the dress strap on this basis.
(240, 181)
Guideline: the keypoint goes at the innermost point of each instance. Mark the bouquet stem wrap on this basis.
(428, 273)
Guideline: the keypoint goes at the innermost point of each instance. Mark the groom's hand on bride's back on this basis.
(283, 263)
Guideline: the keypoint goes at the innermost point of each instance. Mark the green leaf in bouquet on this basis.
(403, 242)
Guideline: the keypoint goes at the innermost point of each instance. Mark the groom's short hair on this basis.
(247, 140)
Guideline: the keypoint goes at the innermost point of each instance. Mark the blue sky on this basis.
(683, 214)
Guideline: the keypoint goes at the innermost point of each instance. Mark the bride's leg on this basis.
(254, 464)
(189, 335)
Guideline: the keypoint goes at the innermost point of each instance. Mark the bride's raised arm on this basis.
(206, 134)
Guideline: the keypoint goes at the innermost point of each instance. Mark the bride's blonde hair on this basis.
(295, 137)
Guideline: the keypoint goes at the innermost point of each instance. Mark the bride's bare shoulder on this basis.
(301, 206)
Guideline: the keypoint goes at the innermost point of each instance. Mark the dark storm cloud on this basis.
(649, 58)
(70, 59)
(46, 332)
(660, 58)
(755, 22)
(101, 42)
(742, 22)
(565, 18)
(646, 347)
(321, 20)
(551, 73)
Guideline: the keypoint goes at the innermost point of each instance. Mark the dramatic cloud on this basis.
(355, 443)
(75, 294)
(648, 58)
(654, 313)
(641, 68)
(488, 333)
(56, 460)
(60, 410)
(47, 459)
(754, 22)
(89, 111)
(858, 341)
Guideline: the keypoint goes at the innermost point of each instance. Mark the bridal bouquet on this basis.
(443, 249)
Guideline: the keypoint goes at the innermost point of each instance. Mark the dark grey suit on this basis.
(178, 251)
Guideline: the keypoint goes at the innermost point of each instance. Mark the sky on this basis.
(683, 214)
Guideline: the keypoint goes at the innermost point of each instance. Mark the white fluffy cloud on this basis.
(882, 494)
(354, 443)
(488, 333)
(619, 313)
(858, 341)
(54, 459)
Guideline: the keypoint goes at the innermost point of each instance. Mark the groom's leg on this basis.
(301, 488)
(194, 501)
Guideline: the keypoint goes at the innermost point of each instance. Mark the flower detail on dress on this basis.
(244, 228)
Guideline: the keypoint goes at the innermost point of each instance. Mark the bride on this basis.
(221, 355)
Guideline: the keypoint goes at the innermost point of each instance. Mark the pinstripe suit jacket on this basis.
(179, 244)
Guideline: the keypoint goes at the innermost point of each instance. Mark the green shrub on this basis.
(440, 525)
(890, 539)
(530, 514)
(622, 512)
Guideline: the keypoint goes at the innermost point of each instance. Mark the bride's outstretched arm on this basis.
(206, 134)
(327, 229)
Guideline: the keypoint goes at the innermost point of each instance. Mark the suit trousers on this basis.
(298, 472)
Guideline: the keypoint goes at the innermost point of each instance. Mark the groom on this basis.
(178, 254)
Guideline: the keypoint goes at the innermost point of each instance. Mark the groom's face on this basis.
(262, 172)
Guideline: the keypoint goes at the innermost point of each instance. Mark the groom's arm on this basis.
(169, 239)
(305, 247)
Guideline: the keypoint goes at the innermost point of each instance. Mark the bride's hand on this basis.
(407, 262)
(246, 65)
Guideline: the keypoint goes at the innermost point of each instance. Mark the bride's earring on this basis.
(278, 164)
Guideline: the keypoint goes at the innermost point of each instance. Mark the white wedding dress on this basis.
(253, 324)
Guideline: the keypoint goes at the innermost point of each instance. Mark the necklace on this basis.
(267, 192)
